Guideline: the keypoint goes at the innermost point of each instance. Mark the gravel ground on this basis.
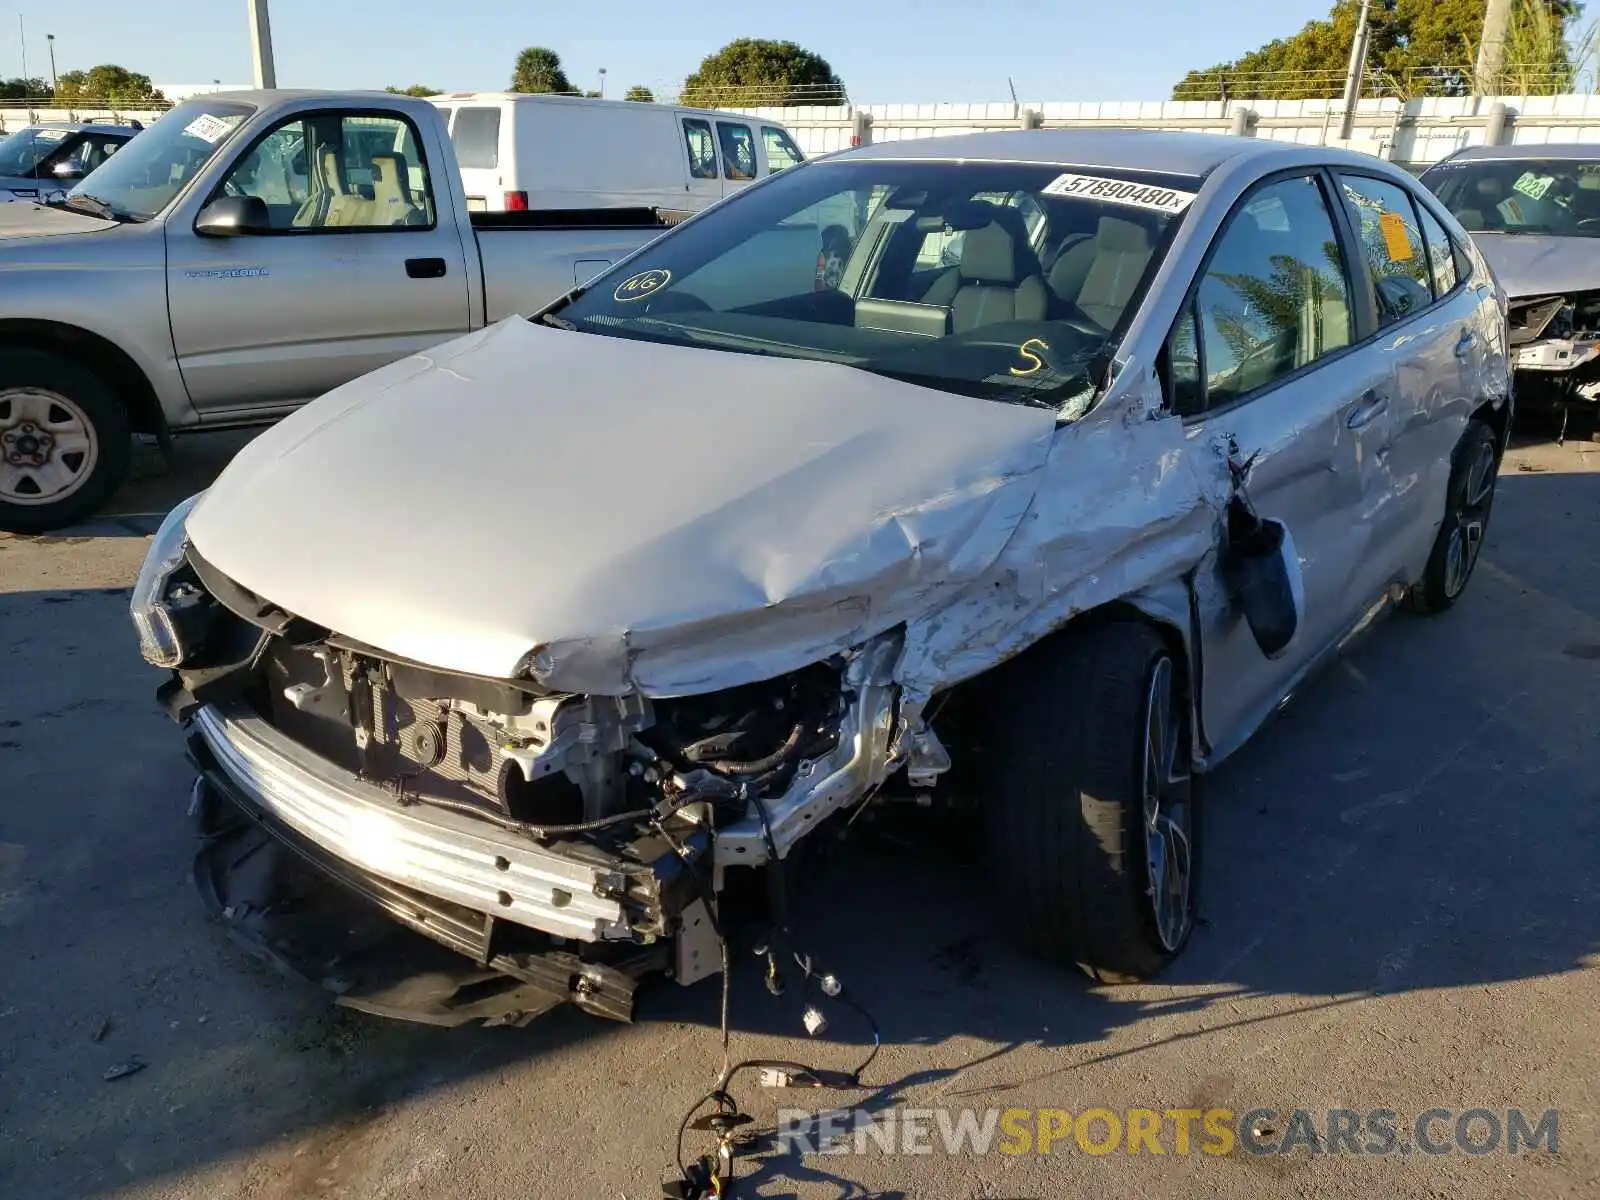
(1402, 911)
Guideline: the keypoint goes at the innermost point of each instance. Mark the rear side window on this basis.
(702, 150)
(1396, 257)
(1275, 297)
(738, 151)
(781, 150)
(476, 137)
(1441, 254)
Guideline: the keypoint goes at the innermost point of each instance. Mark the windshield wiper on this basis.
(96, 207)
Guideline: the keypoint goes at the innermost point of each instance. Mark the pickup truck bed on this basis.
(208, 277)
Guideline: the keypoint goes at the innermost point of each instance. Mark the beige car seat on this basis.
(392, 199)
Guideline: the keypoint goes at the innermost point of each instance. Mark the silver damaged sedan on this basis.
(1029, 472)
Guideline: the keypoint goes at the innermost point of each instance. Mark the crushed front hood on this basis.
(655, 517)
(1530, 264)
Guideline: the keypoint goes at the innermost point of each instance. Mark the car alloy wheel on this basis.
(1168, 814)
(1471, 519)
(48, 447)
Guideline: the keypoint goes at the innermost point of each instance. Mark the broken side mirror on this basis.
(1261, 567)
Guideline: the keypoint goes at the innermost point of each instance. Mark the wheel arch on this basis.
(105, 358)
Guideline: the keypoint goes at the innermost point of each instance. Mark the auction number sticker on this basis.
(1533, 186)
(207, 128)
(1120, 191)
(637, 287)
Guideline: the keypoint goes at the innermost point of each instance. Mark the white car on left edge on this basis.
(1094, 449)
(43, 162)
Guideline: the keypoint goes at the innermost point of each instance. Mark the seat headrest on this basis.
(389, 168)
(1122, 237)
(989, 254)
(332, 171)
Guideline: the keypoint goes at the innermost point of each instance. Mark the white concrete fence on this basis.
(1412, 133)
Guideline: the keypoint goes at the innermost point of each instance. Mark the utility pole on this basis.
(1358, 66)
(602, 83)
(54, 86)
(22, 36)
(261, 44)
(1491, 66)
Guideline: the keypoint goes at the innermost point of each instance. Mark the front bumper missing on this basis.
(355, 934)
(431, 851)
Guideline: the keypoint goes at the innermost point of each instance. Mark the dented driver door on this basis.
(1265, 362)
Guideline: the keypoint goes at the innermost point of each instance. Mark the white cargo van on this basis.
(521, 152)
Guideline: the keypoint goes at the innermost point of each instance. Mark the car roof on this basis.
(1578, 151)
(82, 127)
(1187, 154)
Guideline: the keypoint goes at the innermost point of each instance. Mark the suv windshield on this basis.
(142, 178)
(1524, 195)
(22, 152)
(1008, 281)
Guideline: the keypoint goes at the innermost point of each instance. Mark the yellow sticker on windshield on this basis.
(1533, 186)
(1395, 239)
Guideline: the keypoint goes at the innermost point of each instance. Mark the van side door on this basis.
(357, 265)
(703, 182)
(738, 148)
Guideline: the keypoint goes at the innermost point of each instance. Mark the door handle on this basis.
(1466, 344)
(425, 268)
(1368, 409)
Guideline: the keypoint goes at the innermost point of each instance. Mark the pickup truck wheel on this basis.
(1093, 818)
(64, 441)
(1474, 468)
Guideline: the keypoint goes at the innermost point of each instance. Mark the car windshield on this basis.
(1558, 196)
(1008, 281)
(141, 179)
(22, 152)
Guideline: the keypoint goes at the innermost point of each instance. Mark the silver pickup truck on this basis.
(247, 253)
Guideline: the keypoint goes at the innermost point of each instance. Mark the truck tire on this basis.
(1091, 803)
(64, 441)
(1474, 468)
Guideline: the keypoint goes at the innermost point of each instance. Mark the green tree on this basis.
(107, 82)
(416, 89)
(25, 89)
(752, 71)
(640, 93)
(1418, 48)
(539, 70)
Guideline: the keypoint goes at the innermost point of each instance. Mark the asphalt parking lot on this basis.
(1402, 911)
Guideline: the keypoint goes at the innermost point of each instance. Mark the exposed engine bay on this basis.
(1555, 348)
(567, 844)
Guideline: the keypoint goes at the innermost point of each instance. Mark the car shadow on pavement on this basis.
(1422, 818)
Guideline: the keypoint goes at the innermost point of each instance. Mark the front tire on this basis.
(1093, 820)
(1474, 468)
(64, 441)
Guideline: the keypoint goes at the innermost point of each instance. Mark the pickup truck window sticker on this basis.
(637, 287)
(207, 128)
(1120, 191)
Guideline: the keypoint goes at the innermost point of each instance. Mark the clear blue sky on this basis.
(885, 50)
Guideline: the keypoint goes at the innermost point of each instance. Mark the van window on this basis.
(781, 150)
(738, 151)
(475, 133)
(702, 150)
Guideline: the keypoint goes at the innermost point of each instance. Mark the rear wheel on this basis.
(1093, 818)
(64, 441)
(1474, 469)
